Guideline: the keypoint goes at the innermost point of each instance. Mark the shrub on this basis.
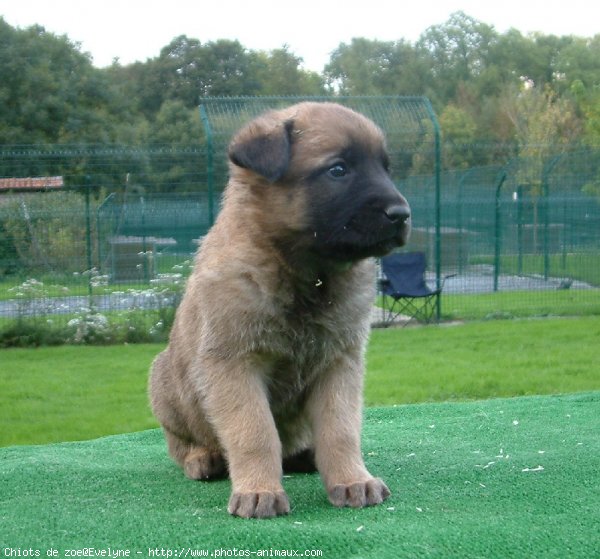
(89, 327)
(148, 317)
(45, 232)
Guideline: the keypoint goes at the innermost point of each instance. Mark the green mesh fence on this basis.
(101, 199)
(408, 122)
(93, 232)
(106, 249)
(523, 238)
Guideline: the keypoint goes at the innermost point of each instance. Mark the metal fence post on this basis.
(145, 256)
(519, 193)
(209, 164)
(438, 202)
(498, 229)
(88, 234)
(546, 205)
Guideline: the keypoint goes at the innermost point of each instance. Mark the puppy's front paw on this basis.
(359, 494)
(262, 504)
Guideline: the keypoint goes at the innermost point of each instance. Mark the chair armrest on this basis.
(447, 277)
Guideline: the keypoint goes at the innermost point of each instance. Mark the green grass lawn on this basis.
(521, 304)
(75, 393)
(68, 393)
(481, 360)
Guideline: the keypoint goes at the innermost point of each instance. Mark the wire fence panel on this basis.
(96, 242)
(522, 238)
(97, 228)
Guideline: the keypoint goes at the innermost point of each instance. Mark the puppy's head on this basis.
(322, 169)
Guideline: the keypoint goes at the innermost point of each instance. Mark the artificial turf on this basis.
(497, 478)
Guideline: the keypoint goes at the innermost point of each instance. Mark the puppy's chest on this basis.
(312, 317)
(312, 332)
(310, 337)
(304, 353)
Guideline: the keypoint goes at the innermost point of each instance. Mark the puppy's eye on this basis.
(338, 171)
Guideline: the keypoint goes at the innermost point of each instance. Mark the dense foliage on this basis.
(485, 85)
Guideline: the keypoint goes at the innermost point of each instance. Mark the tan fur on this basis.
(266, 356)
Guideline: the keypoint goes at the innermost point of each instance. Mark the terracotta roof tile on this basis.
(31, 183)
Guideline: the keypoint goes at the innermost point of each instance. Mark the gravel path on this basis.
(479, 280)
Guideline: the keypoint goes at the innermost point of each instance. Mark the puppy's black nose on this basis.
(399, 213)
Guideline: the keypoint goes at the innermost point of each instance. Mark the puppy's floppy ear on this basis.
(263, 146)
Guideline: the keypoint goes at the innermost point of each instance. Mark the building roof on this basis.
(31, 183)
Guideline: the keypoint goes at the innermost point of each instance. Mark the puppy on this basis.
(264, 367)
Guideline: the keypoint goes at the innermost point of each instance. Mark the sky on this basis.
(133, 30)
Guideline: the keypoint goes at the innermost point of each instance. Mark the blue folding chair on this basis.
(405, 292)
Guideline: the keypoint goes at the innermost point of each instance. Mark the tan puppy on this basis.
(264, 368)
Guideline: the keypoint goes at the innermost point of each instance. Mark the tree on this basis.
(280, 73)
(408, 72)
(544, 125)
(229, 69)
(579, 61)
(459, 51)
(49, 90)
(355, 68)
(475, 77)
(460, 130)
(141, 86)
(588, 99)
(187, 70)
(541, 118)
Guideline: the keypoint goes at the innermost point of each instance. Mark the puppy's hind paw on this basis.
(202, 463)
(360, 494)
(263, 504)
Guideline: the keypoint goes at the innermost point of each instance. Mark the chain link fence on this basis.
(103, 253)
